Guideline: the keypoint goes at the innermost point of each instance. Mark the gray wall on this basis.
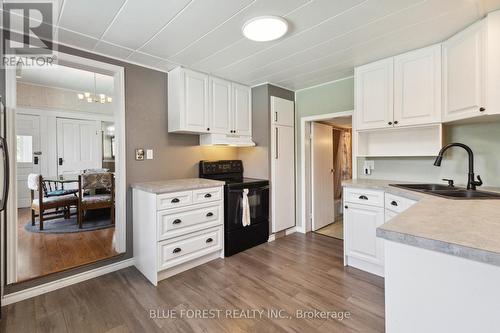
(175, 155)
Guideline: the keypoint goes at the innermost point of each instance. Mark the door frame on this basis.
(304, 224)
(118, 73)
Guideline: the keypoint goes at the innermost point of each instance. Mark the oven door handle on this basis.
(250, 188)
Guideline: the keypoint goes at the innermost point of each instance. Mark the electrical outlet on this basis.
(149, 154)
(139, 154)
(368, 166)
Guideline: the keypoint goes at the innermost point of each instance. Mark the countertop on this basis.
(464, 228)
(175, 185)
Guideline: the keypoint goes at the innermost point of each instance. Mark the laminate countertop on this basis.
(464, 228)
(176, 185)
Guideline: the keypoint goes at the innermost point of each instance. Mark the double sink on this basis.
(450, 192)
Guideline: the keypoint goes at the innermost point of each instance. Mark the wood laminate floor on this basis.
(292, 273)
(41, 254)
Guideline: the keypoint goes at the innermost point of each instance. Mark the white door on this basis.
(220, 106)
(322, 176)
(28, 154)
(417, 87)
(282, 111)
(282, 178)
(242, 109)
(374, 94)
(78, 145)
(360, 223)
(196, 103)
(463, 74)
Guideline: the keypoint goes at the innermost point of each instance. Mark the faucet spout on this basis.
(471, 180)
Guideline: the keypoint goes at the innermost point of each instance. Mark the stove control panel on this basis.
(220, 167)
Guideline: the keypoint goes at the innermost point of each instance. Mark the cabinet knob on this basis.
(176, 221)
(346, 207)
(481, 109)
(390, 123)
(396, 122)
(394, 203)
(208, 195)
(208, 129)
(175, 200)
(177, 250)
(363, 197)
(210, 214)
(209, 240)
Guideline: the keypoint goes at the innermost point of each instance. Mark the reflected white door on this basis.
(322, 175)
(28, 154)
(78, 145)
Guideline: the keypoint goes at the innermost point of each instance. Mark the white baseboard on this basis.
(64, 282)
(290, 231)
(271, 238)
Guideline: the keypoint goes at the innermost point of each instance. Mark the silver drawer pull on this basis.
(363, 197)
(209, 214)
(177, 221)
(208, 195)
(209, 240)
(394, 203)
(177, 250)
(175, 200)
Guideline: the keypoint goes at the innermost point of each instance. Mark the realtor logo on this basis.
(28, 34)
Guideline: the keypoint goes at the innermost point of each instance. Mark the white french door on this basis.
(322, 175)
(78, 145)
(28, 155)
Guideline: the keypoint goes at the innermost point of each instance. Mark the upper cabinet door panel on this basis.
(242, 109)
(374, 94)
(464, 74)
(195, 101)
(282, 111)
(417, 87)
(220, 106)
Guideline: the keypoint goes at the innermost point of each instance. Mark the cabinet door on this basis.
(242, 109)
(361, 222)
(417, 87)
(220, 106)
(282, 178)
(374, 94)
(195, 101)
(463, 73)
(282, 111)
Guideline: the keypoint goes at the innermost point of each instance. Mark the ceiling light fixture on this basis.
(265, 28)
(95, 97)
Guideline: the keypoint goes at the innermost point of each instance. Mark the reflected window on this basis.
(24, 150)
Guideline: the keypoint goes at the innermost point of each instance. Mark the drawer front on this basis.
(173, 200)
(397, 204)
(364, 197)
(178, 222)
(178, 250)
(207, 195)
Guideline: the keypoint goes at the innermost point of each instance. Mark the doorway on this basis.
(67, 131)
(326, 161)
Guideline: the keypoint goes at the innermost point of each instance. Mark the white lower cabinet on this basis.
(176, 231)
(364, 211)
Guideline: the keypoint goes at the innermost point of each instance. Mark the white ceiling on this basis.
(327, 37)
(68, 78)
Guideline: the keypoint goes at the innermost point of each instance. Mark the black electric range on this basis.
(237, 237)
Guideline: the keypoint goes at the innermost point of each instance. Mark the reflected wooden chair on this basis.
(47, 207)
(96, 191)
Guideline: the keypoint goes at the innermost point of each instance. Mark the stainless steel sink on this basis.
(448, 191)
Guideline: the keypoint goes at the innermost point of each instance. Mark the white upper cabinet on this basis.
(220, 105)
(282, 112)
(417, 87)
(464, 73)
(242, 109)
(374, 94)
(202, 104)
(188, 106)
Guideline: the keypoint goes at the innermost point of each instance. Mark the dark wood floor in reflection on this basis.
(42, 254)
(294, 272)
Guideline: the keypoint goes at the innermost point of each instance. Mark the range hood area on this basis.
(226, 140)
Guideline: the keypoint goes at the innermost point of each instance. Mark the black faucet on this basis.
(471, 182)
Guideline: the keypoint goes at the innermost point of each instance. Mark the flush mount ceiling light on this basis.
(265, 28)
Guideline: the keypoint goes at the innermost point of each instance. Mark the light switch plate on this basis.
(149, 154)
(139, 154)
